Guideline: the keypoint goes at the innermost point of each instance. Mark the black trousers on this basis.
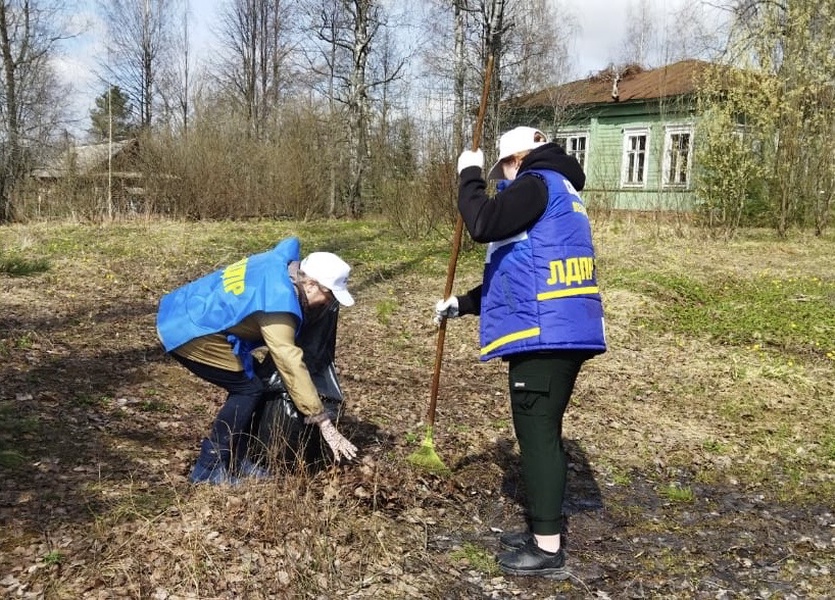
(540, 389)
(237, 419)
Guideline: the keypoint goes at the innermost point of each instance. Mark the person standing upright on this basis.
(540, 310)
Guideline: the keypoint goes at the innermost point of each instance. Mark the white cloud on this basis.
(77, 65)
(604, 24)
(601, 31)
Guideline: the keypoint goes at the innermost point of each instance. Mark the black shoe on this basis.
(531, 560)
(515, 540)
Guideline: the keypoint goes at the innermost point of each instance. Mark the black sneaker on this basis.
(515, 540)
(531, 560)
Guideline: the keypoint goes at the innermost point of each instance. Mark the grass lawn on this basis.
(702, 443)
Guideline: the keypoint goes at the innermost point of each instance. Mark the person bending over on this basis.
(211, 326)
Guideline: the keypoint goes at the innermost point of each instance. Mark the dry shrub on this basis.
(305, 166)
(405, 204)
(218, 171)
(420, 205)
(78, 199)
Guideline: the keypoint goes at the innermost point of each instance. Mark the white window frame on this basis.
(669, 132)
(570, 137)
(629, 134)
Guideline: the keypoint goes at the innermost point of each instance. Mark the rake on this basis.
(426, 456)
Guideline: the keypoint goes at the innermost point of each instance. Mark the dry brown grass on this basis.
(106, 429)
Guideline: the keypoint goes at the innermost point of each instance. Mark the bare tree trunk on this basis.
(148, 53)
(11, 155)
(364, 11)
(494, 45)
(253, 33)
(332, 147)
(184, 98)
(251, 66)
(328, 21)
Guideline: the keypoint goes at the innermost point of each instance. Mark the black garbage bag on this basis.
(284, 438)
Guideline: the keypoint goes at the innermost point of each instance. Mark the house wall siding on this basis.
(606, 126)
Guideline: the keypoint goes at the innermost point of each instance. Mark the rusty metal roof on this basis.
(633, 83)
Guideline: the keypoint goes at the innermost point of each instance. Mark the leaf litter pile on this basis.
(701, 466)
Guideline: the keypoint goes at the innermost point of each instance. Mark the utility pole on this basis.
(110, 152)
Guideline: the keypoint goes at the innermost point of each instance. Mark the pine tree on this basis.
(112, 105)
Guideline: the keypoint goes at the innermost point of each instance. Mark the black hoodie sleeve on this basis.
(510, 212)
(470, 303)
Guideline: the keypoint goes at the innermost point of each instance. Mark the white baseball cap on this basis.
(330, 271)
(515, 141)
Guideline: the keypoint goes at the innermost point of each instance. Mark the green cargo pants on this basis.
(540, 388)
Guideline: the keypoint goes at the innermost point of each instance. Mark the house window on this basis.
(678, 149)
(575, 144)
(635, 148)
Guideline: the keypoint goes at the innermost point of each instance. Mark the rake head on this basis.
(427, 458)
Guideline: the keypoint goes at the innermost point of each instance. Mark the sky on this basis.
(598, 42)
(603, 23)
(79, 65)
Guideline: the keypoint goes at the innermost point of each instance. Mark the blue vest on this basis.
(540, 287)
(226, 297)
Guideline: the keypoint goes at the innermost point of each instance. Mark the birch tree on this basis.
(365, 22)
(349, 34)
(459, 16)
(640, 34)
(255, 67)
(527, 55)
(138, 43)
(29, 92)
(325, 58)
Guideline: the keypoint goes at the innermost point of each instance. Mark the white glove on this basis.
(340, 446)
(446, 309)
(470, 158)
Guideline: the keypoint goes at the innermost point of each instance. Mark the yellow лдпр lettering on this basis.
(233, 278)
(578, 269)
(574, 270)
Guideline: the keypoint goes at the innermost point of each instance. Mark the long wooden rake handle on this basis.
(453, 256)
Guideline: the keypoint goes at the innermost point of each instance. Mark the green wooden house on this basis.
(633, 130)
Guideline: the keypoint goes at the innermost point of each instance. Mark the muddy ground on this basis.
(98, 430)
